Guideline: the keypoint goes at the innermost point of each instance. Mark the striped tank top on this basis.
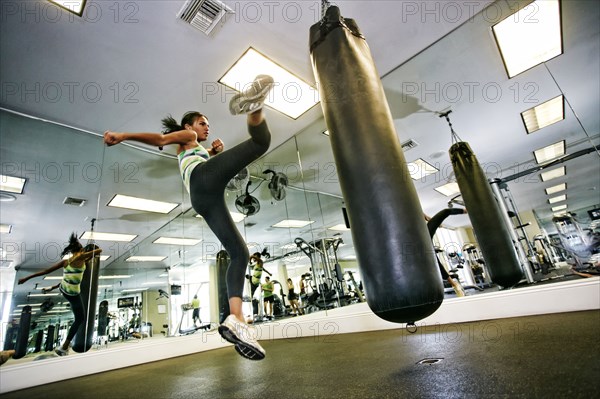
(188, 160)
(71, 281)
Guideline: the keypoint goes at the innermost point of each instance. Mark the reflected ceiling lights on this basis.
(339, 227)
(530, 36)
(141, 204)
(543, 115)
(550, 152)
(559, 208)
(145, 258)
(553, 174)
(556, 189)
(558, 198)
(12, 184)
(176, 241)
(294, 224)
(291, 95)
(97, 236)
(5, 228)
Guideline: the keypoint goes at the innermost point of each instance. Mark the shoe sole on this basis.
(245, 350)
(245, 104)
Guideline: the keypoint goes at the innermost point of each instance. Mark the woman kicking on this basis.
(205, 173)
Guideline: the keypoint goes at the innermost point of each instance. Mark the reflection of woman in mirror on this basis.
(293, 298)
(70, 285)
(205, 174)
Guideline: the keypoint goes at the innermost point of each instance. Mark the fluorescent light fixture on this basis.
(559, 208)
(53, 278)
(47, 294)
(102, 257)
(289, 246)
(97, 236)
(29, 304)
(135, 289)
(325, 132)
(530, 36)
(292, 223)
(449, 189)
(5, 228)
(114, 277)
(141, 204)
(350, 257)
(339, 227)
(237, 217)
(12, 184)
(153, 283)
(145, 258)
(59, 311)
(74, 6)
(558, 198)
(291, 95)
(176, 241)
(553, 174)
(419, 169)
(543, 115)
(550, 152)
(556, 189)
(105, 286)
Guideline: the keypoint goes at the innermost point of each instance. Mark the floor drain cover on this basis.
(433, 360)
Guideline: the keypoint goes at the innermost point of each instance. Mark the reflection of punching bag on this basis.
(102, 318)
(23, 334)
(489, 226)
(50, 338)
(89, 291)
(394, 251)
(222, 265)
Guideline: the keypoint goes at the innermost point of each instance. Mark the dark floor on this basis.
(551, 356)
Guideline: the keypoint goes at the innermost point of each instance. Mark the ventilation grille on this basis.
(409, 144)
(204, 15)
(74, 201)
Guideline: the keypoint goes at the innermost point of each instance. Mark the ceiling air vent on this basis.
(74, 201)
(204, 15)
(409, 144)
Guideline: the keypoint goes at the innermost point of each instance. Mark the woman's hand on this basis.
(217, 146)
(112, 138)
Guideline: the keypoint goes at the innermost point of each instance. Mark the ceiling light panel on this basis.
(449, 189)
(530, 36)
(543, 115)
(5, 228)
(419, 169)
(12, 184)
(141, 204)
(291, 95)
(559, 208)
(553, 174)
(550, 152)
(147, 258)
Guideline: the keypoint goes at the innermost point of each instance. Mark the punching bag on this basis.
(223, 298)
(84, 338)
(488, 224)
(395, 254)
(23, 334)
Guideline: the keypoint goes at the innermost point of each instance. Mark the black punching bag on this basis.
(488, 224)
(23, 334)
(84, 339)
(395, 254)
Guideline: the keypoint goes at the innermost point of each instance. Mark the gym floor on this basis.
(547, 356)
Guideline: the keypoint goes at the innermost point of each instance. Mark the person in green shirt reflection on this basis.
(268, 287)
(196, 312)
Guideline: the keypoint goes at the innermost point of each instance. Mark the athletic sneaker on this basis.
(251, 99)
(243, 337)
(61, 352)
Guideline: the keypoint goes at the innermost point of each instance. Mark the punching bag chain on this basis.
(455, 137)
(324, 6)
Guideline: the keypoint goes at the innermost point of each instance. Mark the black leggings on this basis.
(78, 312)
(207, 194)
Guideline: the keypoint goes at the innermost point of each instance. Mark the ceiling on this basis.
(126, 65)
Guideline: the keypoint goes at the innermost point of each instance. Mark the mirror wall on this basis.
(150, 299)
